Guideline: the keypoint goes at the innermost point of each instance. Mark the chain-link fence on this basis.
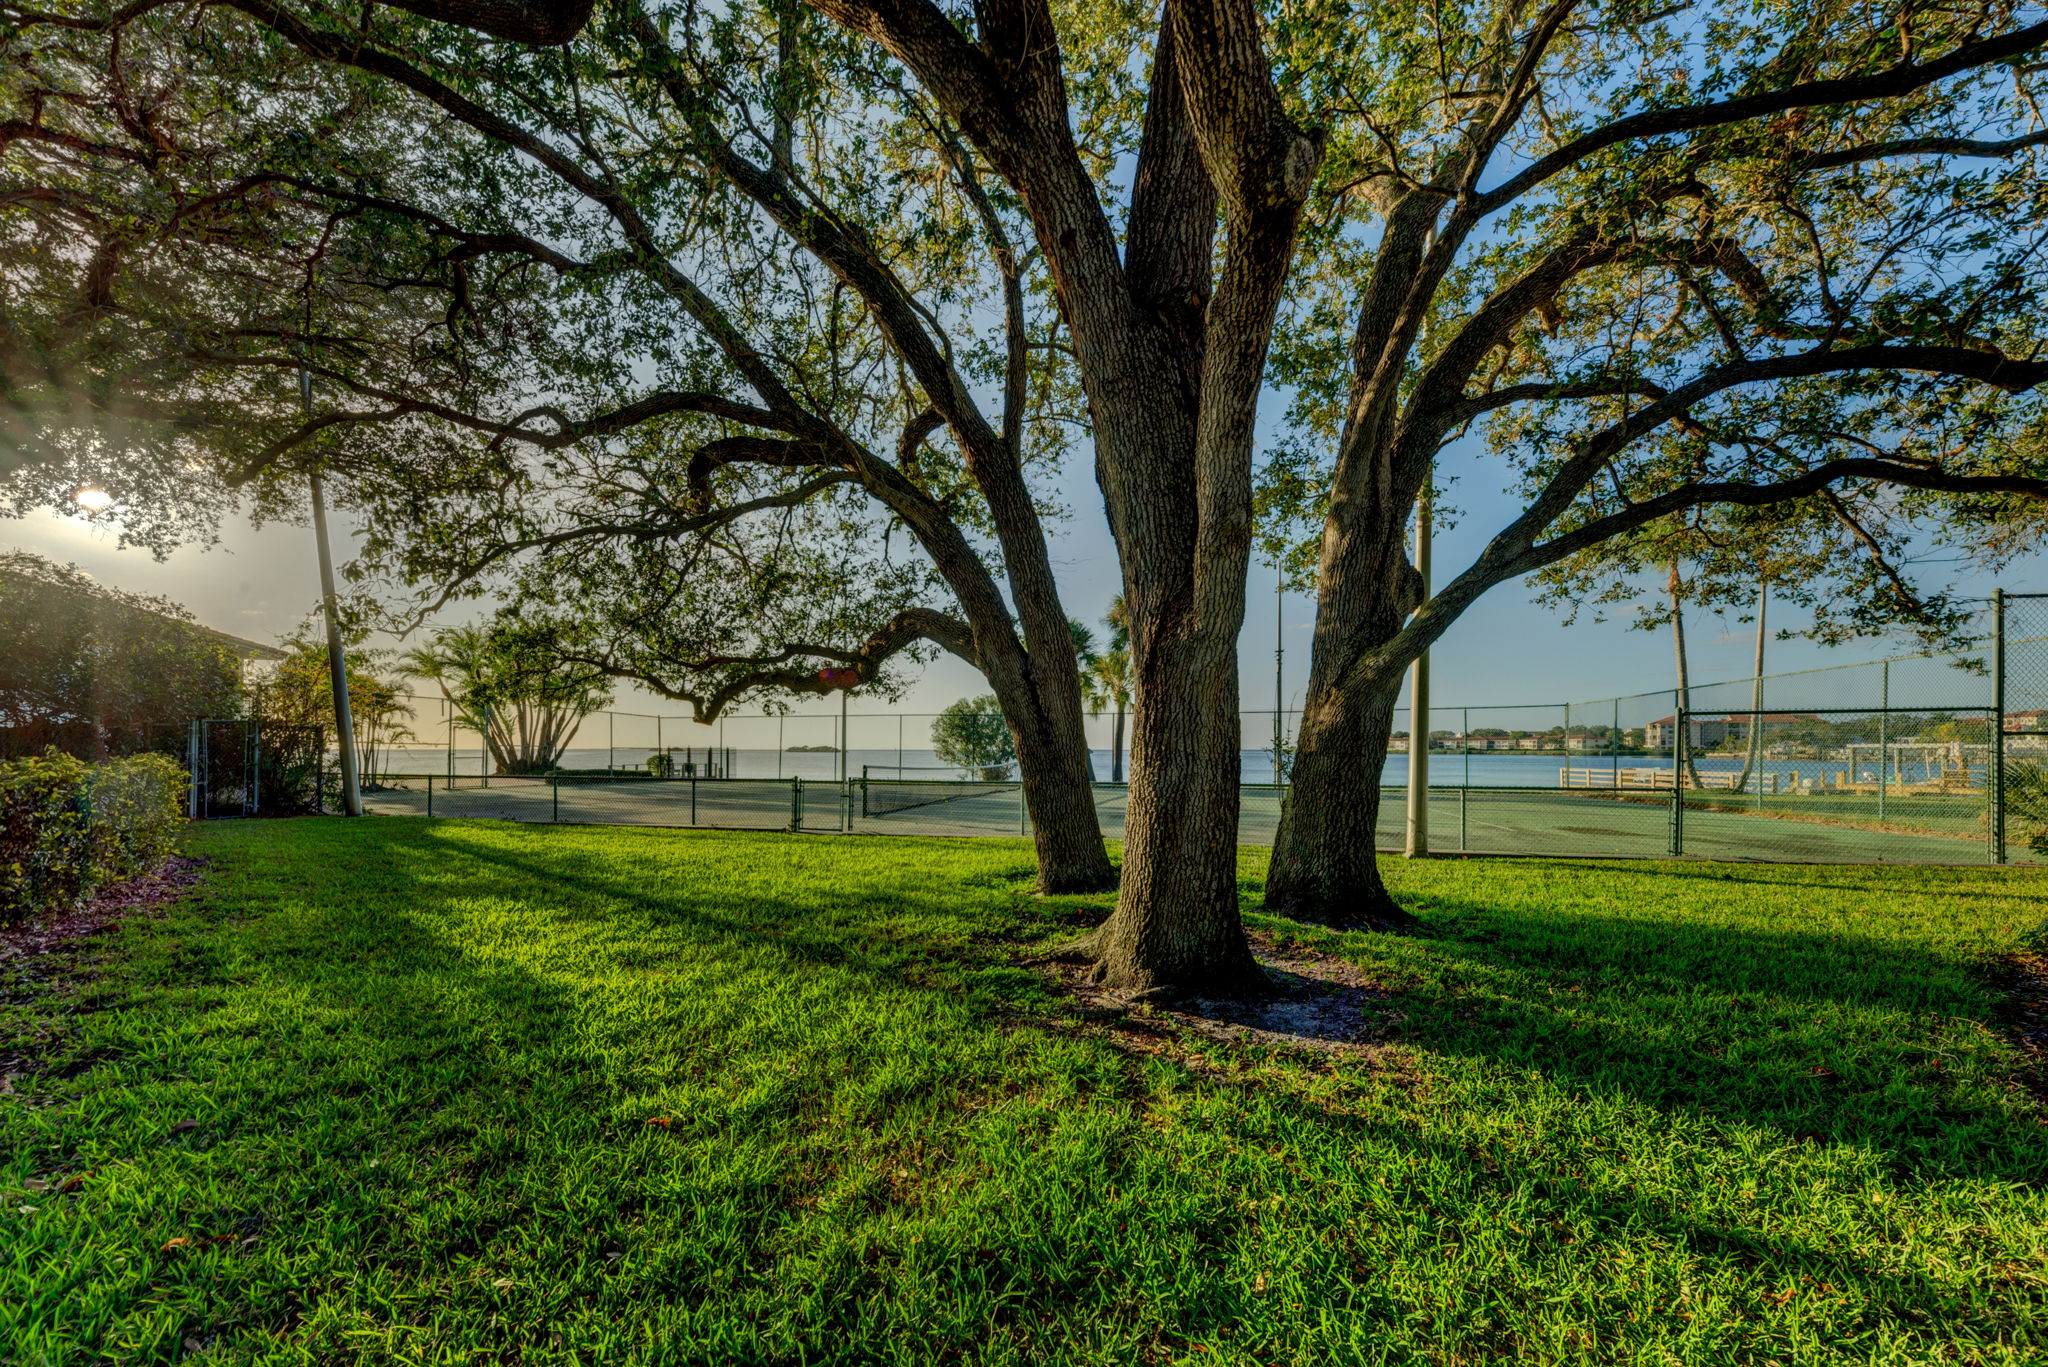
(240, 766)
(1896, 760)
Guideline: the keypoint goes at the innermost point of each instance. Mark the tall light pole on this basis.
(1417, 844)
(337, 659)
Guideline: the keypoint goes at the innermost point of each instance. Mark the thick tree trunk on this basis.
(1325, 865)
(1052, 762)
(1177, 928)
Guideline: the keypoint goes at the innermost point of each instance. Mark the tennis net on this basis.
(895, 788)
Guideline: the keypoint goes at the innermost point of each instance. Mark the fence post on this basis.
(1996, 778)
(430, 794)
(693, 797)
(1465, 787)
(796, 803)
(193, 764)
(1682, 721)
(556, 794)
(1884, 727)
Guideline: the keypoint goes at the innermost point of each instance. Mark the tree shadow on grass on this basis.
(1816, 1034)
(1477, 1190)
(1819, 1034)
(485, 1045)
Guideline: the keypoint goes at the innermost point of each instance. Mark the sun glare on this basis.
(94, 500)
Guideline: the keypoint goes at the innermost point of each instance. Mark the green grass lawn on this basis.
(393, 1081)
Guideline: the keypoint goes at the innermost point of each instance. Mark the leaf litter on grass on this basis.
(2021, 979)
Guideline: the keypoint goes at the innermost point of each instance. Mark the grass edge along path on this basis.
(427, 1092)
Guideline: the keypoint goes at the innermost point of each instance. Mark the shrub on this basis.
(972, 734)
(2026, 805)
(93, 670)
(68, 828)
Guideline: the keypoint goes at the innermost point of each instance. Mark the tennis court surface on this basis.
(1462, 820)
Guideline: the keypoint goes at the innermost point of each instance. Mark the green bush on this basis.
(2026, 805)
(68, 828)
(972, 734)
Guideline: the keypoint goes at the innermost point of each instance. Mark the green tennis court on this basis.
(1594, 823)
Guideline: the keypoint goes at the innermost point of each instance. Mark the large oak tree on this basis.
(684, 304)
(1667, 259)
(1673, 257)
(1616, 222)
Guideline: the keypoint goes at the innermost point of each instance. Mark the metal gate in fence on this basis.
(241, 766)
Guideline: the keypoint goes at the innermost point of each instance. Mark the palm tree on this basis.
(523, 703)
(1092, 697)
(1106, 681)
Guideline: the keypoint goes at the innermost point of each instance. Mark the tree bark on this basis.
(1041, 701)
(1753, 748)
(1325, 865)
(1177, 928)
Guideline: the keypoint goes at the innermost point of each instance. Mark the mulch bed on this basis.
(40, 956)
(55, 934)
(1319, 1002)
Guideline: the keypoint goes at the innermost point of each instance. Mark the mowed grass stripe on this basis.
(1640, 1113)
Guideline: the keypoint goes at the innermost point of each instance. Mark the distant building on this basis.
(1768, 722)
(1474, 742)
(1701, 733)
(1704, 733)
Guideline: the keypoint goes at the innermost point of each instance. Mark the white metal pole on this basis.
(1418, 705)
(337, 657)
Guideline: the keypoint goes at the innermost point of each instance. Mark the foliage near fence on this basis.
(90, 669)
(68, 828)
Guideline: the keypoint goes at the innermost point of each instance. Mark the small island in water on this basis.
(813, 749)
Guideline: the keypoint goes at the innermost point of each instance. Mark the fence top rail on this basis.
(1714, 713)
